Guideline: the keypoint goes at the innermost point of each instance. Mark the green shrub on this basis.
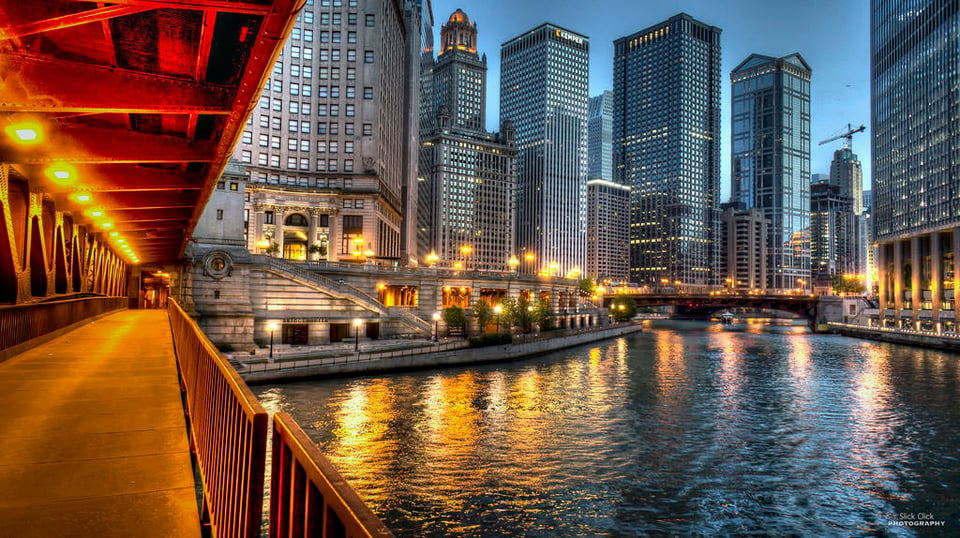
(492, 339)
(262, 344)
(224, 347)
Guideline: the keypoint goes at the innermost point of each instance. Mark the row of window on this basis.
(294, 163)
(336, 18)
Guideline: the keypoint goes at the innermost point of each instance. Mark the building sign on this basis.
(569, 37)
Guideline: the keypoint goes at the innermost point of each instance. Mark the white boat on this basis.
(726, 318)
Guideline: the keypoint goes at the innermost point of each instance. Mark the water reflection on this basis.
(684, 429)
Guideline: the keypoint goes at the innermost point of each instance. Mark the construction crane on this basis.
(848, 136)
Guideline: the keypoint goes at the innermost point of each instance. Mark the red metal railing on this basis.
(21, 323)
(228, 429)
(308, 497)
(229, 437)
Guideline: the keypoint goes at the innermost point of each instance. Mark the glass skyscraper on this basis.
(666, 133)
(600, 137)
(543, 90)
(915, 68)
(771, 159)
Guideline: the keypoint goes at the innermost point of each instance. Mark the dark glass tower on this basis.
(666, 133)
(543, 90)
(771, 159)
(915, 119)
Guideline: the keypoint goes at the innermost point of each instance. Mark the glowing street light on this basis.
(272, 326)
(513, 263)
(356, 331)
(466, 250)
(436, 326)
(498, 310)
(432, 258)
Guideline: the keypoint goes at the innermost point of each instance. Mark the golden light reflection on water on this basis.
(362, 427)
(731, 365)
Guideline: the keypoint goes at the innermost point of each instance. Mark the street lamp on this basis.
(436, 326)
(358, 247)
(513, 263)
(356, 331)
(272, 326)
(466, 250)
(498, 309)
(554, 268)
(432, 258)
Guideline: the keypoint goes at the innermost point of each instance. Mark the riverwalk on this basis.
(456, 353)
(93, 439)
(929, 339)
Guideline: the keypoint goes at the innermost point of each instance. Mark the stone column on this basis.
(956, 279)
(897, 279)
(278, 229)
(334, 235)
(936, 278)
(882, 276)
(257, 224)
(917, 295)
(312, 232)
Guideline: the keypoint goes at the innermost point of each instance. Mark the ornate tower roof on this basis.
(458, 34)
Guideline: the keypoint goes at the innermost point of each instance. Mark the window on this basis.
(348, 147)
(275, 161)
(293, 125)
(308, 36)
(268, 217)
(307, 53)
(292, 163)
(278, 68)
(305, 127)
(321, 110)
(336, 19)
(370, 19)
(348, 165)
(321, 146)
(351, 92)
(295, 52)
(220, 185)
(334, 128)
(334, 146)
(275, 122)
(294, 107)
(351, 37)
(350, 110)
(307, 90)
(305, 109)
(322, 92)
(295, 33)
(219, 214)
(296, 219)
(234, 186)
(247, 137)
(275, 142)
(321, 165)
(305, 145)
(264, 121)
(262, 159)
(324, 55)
(245, 156)
(292, 144)
(324, 73)
(324, 36)
(367, 92)
(294, 88)
(308, 17)
(335, 55)
(351, 73)
(277, 85)
(304, 164)
(278, 105)
(307, 72)
(335, 73)
(367, 129)
(264, 102)
(348, 129)
(321, 128)
(335, 92)
(334, 110)
(332, 165)
(352, 228)
(351, 55)
(295, 70)
(324, 18)
(352, 18)
(368, 56)
(336, 36)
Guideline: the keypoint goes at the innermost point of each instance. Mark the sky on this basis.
(832, 36)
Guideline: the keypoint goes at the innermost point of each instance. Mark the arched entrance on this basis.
(295, 229)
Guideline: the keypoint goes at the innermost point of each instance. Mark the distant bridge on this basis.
(701, 306)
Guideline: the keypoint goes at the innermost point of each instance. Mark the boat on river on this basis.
(726, 318)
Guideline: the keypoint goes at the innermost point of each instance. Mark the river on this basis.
(686, 428)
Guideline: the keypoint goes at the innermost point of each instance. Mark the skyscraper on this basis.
(327, 149)
(771, 159)
(467, 195)
(608, 231)
(666, 132)
(846, 172)
(600, 137)
(915, 118)
(543, 90)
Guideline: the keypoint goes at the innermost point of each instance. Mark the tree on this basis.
(272, 249)
(847, 284)
(543, 316)
(623, 308)
(587, 286)
(454, 316)
(318, 249)
(484, 313)
(516, 312)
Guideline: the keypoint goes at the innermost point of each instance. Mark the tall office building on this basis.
(847, 173)
(327, 149)
(743, 240)
(832, 231)
(426, 127)
(666, 132)
(608, 231)
(915, 68)
(600, 137)
(467, 195)
(543, 90)
(771, 159)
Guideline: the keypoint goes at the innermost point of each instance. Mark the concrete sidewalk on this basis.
(93, 438)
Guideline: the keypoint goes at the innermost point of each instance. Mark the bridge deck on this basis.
(92, 434)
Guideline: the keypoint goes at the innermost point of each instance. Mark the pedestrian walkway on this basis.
(93, 439)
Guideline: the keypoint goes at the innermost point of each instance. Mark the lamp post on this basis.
(432, 258)
(497, 310)
(272, 326)
(436, 326)
(466, 250)
(358, 247)
(356, 331)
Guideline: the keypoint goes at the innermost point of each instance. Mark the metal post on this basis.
(271, 344)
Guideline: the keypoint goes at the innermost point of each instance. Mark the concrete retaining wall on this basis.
(355, 365)
(899, 336)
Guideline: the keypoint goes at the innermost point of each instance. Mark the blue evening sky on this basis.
(831, 35)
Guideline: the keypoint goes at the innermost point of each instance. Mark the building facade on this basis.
(467, 194)
(666, 132)
(915, 68)
(608, 231)
(328, 150)
(744, 246)
(543, 91)
(771, 158)
(832, 231)
(600, 137)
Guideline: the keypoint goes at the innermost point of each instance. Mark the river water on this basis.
(687, 428)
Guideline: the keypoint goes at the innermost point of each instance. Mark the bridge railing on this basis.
(21, 324)
(229, 438)
(308, 497)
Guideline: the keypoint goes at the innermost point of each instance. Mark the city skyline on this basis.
(840, 90)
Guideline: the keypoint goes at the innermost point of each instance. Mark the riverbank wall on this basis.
(899, 336)
(360, 363)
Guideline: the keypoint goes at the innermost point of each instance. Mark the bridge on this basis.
(117, 120)
(703, 305)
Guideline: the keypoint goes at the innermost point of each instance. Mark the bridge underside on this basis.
(697, 306)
